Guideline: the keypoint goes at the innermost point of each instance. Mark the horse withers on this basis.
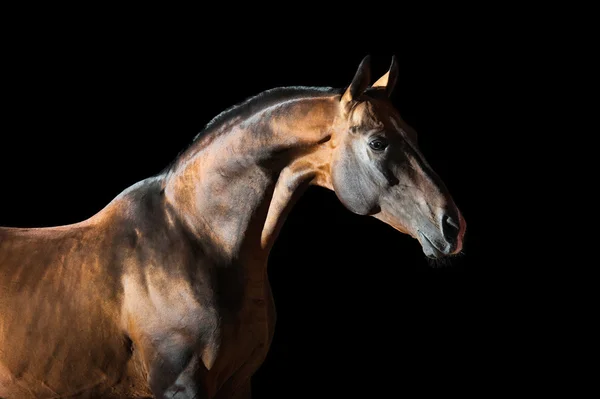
(164, 292)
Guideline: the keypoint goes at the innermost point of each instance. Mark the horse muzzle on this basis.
(445, 242)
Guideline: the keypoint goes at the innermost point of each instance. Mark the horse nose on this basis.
(450, 227)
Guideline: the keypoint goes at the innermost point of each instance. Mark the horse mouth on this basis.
(429, 248)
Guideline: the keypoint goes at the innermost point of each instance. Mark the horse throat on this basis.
(237, 190)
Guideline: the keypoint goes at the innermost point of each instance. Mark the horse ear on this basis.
(361, 81)
(388, 81)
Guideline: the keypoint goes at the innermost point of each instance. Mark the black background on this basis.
(93, 105)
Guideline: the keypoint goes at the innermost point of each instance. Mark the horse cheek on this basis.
(351, 184)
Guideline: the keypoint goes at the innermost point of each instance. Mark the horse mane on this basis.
(261, 101)
(250, 106)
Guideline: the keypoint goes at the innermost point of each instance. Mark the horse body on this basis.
(98, 308)
(165, 292)
(173, 270)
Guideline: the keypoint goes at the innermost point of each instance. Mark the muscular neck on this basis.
(235, 188)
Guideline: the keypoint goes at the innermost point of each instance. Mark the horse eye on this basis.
(378, 144)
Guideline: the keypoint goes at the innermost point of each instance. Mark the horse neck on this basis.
(235, 187)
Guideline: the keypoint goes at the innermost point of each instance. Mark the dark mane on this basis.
(263, 100)
(252, 105)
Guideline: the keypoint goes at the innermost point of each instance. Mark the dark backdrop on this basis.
(89, 111)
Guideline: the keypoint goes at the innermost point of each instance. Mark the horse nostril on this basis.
(452, 222)
(450, 228)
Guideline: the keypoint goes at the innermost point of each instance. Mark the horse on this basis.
(164, 292)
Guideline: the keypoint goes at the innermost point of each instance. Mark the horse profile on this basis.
(164, 292)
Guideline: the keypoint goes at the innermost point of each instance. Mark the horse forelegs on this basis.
(174, 372)
(185, 385)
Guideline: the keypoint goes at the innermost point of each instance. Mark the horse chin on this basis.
(429, 249)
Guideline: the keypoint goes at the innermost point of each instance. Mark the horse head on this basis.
(377, 168)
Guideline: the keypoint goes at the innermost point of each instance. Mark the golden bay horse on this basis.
(164, 292)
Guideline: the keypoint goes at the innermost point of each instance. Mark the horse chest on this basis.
(177, 316)
(246, 334)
